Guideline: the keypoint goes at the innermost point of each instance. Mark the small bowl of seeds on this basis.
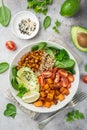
(25, 25)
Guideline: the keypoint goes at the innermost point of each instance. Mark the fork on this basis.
(75, 100)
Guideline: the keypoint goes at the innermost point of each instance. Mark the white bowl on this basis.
(17, 19)
(53, 108)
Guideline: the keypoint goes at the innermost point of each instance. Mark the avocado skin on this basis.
(74, 33)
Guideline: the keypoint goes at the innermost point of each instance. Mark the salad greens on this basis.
(39, 6)
(46, 22)
(10, 110)
(86, 67)
(61, 56)
(55, 27)
(20, 87)
(5, 15)
(75, 114)
(3, 67)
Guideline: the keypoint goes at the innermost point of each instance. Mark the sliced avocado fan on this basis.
(79, 37)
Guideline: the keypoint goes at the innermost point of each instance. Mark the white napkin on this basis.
(11, 98)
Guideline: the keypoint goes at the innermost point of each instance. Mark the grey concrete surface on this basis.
(22, 121)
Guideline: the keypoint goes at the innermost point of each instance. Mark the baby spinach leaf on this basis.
(42, 45)
(66, 64)
(62, 55)
(22, 90)
(10, 110)
(14, 83)
(35, 47)
(14, 71)
(50, 52)
(47, 22)
(3, 67)
(5, 15)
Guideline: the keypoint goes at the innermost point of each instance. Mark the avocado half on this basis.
(79, 37)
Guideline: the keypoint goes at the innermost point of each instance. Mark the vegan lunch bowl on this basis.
(44, 76)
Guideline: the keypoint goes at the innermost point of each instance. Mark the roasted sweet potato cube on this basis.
(43, 94)
(50, 96)
(46, 86)
(49, 81)
(47, 104)
(61, 97)
(66, 91)
(38, 103)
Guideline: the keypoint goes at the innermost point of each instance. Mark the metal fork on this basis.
(75, 100)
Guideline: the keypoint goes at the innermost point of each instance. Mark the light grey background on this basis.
(22, 121)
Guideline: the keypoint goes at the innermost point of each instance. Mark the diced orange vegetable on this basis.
(38, 103)
(47, 104)
(61, 97)
(49, 81)
(46, 86)
(43, 94)
(50, 96)
(66, 92)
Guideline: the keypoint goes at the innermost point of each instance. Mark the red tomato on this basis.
(63, 72)
(41, 81)
(47, 74)
(70, 77)
(57, 78)
(84, 78)
(64, 82)
(11, 45)
(54, 70)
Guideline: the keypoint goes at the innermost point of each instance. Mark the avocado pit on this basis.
(82, 39)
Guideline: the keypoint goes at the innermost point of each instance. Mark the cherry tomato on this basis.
(63, 72)
(57, 78)
(84, 78)
(64, 82)
(70, 77)
(41, 81)
(11, 45)
(47, 74)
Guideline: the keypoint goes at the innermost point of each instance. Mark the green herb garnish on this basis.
(10, 110)
(47, 22)
(75, 114)
(3, 67)
(86, 67)
(55, 27)
(39, 6)
(5, 15)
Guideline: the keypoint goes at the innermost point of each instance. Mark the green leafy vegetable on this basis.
(62, 55)
(14, 71)
(55, 27)
(35, 47)
(22, 90)
(3, 67)
(75, 114)
(86, 67)
(39, 6)
(10, 110)
(42, 45)
(66, 64)
(47, 22)
(14, 83)
(50, 52)
(54, 49)
(5, 15)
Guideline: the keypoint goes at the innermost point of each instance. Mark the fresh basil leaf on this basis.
(66, 64)
(3, 67)
(47, 22)
(10, 110)
(5, 15)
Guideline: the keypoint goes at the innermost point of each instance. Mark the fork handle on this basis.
(46, 121)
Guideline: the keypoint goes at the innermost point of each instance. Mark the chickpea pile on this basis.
(32, 59)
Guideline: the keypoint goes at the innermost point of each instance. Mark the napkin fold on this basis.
(11, 98)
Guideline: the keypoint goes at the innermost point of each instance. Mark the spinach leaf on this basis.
(5, 15)
(47, 22)
(54, 49)
(10, 110)
(34, 48)
(42, 45)
(55, 27)
(50, 52)
(3, 67)
(66, 64)
(62, 55)
(14, 83)
(14, 71)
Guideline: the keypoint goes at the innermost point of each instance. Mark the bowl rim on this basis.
(36, 109)
(15, 17)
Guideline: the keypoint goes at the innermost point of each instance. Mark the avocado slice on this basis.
(79, 37)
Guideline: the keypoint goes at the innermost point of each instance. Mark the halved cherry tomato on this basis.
(57, 78)
(54, 70)
(84, 78)
(11, 45)
(41, 81)
(63, 72)
(70, 77)
(47, 74)
(64, 82)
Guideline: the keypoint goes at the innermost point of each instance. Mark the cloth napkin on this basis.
(11, 98)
